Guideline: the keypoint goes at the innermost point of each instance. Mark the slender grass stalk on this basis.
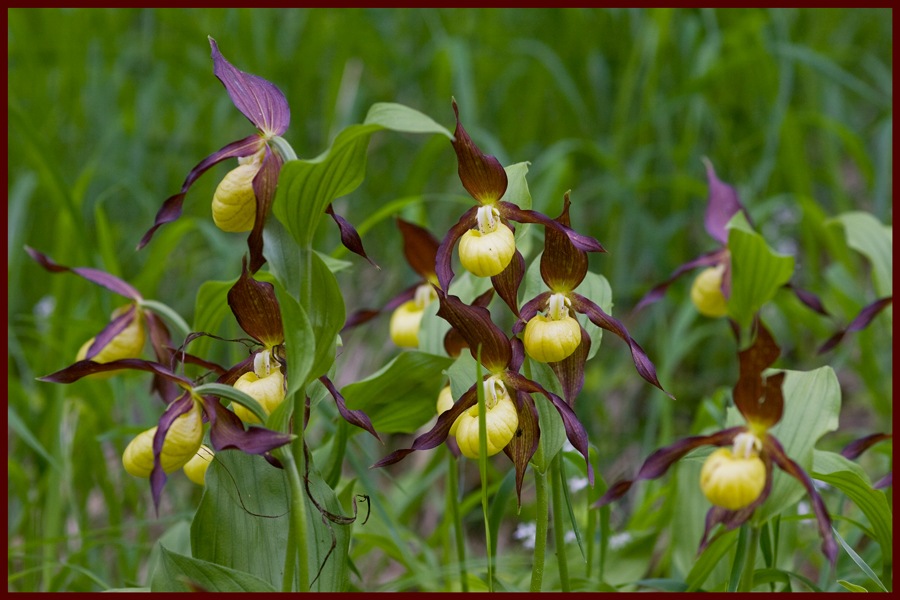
(558, 532)
(453, 507)
(540, 537)
(750, 561)
(482, 468)
(591, 530)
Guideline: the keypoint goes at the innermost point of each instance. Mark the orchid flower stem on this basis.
(287, 580)
(558, 530)
(591, 530)
(453, 505)
(482, 468)
(750, 561)
(294, 463)
(169, 314)
(540, 539)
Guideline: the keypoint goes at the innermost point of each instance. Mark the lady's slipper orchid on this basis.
(503, 358)
(555, 336)
(195, 469)
(857, 447)
(487, 248)
(739, 479)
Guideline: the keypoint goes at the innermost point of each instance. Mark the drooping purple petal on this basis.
(732, 519)
(780, 458)
(83, 368)
(171, 208)
(599, 318)
(857, 447)
(227, 431)
(514, 213)
(481, 174)
(436, 436)
(349, 236)
(860, 322)
(157, 476)
(723, 204)
(367, 314)
(110, 282)
(884, 482)
(264, 183)
(563, 266)
(518, 354)
(706, 260)
(442, 267)
(256, 308)
(570, 370)
(508, 281)
(354, 417)
(475, 326)
(524, 444)
(235, 372)
(160, 340)
(659, 462)
(530, 309)
(453, 446)
(575, 432)
(112, 329)
(419, 247)
(454, 343)
(259, 100)
(749, 390)
(808, 298)
(189, 359)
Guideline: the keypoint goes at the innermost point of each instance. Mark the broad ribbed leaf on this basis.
(175, 571)
(756, 270)
(299, 341)
(868, 236)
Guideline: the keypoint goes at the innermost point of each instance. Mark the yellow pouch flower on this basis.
(444, 402)
(196, 468)
(706, 292)
(181, 444)
(732, 481)
(234, 203)
(502, 421)
(487, 254)
(128, 344)
(268, 391)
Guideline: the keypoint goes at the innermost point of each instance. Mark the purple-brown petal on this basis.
(508, 281)
(256, 309)
(884, 482)
(112, 329)
(475, 326)
(563, 266)
(530, 309)
(419, 247)
(160, 340)
(481, 174)
(599, 318)
(570, 370)
(227, 431)
(354, 417)
(857, 447)
(110, 282)
(575, 432)
(157, 476)
(780, 458)
(171, 208)
(367, 314)
(659, 462)
(235, 372)
(808, 298)
(518, 354)
(749, 389)
(259, 100)
(264, 183)
(83, 368)
(524, 443)
(436, 436)
(706, 260)
(514, 213)
(860, 322)
(454, 343)
(442, 266)
(723, 204)
(349, 236)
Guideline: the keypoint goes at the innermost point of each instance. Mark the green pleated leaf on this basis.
(868, 236)
(333, 562)
(210, 309)
(402, 395)
(849, 477)
(709, 559)
(553, 432)
(175, 571)
(517, 192)
(299, 341)
(757, 270)
(812, 401)
(307, 187)
(462, 375)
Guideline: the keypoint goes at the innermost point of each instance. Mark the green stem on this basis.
(294, 463)
(287, 582)
(453, 505)
(482, 468)
(558, 530)
(540, 539)
(591, 531)
(750, 561)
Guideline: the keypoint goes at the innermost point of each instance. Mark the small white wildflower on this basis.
(527, 532)
(577, 483)
(618, 540)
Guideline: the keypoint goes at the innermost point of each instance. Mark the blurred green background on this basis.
(110, 109)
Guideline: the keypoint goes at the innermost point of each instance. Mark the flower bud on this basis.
(268, 391)
(706, 292)
(195, 468)
(405, 324)
(548, 341)
(444, 402)
(234, 203)
(181, 444)
(486, 251)
(732, 481)
(501, 421)
(128, 344)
